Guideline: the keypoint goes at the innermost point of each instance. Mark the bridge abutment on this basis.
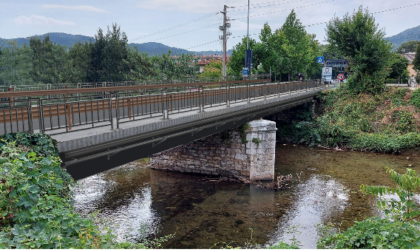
(246, 151)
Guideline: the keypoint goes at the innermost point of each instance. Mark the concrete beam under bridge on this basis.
(112, 151)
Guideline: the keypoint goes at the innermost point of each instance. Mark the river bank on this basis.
(387, 123)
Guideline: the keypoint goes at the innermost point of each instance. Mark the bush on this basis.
(36, 206)
(375, 233)
(415, 98)
(364, 122)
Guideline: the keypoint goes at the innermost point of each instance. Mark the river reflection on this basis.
(202, 213)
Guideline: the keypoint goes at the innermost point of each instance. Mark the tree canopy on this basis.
(358, 38)
(285, 50)
(407, 47)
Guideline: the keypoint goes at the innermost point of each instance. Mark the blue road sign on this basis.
(320, 60)
(245, 71)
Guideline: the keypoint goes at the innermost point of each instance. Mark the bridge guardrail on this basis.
(69, 110)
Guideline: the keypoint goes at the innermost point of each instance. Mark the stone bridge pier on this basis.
(247, 151)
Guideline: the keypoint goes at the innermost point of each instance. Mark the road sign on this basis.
(336, 63)
(320, 59)
(340, 77)
(245, 71)
(327, 73)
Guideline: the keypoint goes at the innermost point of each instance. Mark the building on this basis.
(204, 60)
(410, 57)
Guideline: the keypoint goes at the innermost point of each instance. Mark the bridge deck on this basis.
(89, 137)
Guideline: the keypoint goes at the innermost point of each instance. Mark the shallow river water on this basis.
(135, 201)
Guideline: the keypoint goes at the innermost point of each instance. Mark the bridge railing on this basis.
(57, 111)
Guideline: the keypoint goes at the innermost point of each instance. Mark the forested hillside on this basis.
(152, 48)
(407, 35)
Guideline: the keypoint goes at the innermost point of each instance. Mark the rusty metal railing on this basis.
(68, 110)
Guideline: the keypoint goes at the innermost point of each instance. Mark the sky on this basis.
(189, 24)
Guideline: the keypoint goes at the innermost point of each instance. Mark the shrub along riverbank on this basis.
(388, 122)
(36, 202)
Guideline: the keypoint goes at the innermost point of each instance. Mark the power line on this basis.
(303, 6)
(314, 24)
(176, 26)
(260, 3)
(186, 32)
(267, 5)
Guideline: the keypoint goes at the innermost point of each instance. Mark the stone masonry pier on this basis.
(245, 151)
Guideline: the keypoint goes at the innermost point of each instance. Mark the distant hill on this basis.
(405, 36)
(152, 48)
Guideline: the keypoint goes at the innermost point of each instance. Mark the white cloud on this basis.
(34, 19)
(80, 7)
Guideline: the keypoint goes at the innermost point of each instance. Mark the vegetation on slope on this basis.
(387, 122)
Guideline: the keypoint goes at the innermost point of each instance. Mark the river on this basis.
(137, 202)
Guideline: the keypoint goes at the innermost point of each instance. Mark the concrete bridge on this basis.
(101, 128)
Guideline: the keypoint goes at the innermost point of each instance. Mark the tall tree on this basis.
(108, 55)
(271, 49)
(77, 62)
(48, 60)
(359, 39)
(398, 67)
(15, 63)
(237, 60)
(416, 61)
(298, 54)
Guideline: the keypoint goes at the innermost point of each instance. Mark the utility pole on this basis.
(224, 28)
(224, 41)
(247, 29)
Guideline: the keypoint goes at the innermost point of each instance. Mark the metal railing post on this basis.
(265, 95)
(164, 107)
(227, 95)
(117, 110)
(111, 118)
(249, 93)
(30, 119)
(201, 93)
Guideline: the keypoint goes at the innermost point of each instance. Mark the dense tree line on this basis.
(285, 51)
(109, 58)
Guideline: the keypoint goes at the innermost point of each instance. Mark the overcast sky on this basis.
(138, 18)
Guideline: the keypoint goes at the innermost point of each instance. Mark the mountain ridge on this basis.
(405, 36)
(152, 48)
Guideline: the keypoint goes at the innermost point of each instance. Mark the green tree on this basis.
(270, 52)
(48, 60)
(416, 61)
(298, 53)
(237, 60)
(407, 47)
(15, 63)
(213, 69)
(108, 55)
(398, 67)
(359, 39)
(140, 66)
(77, 63)
(314, 69)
